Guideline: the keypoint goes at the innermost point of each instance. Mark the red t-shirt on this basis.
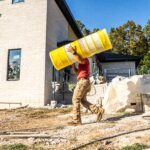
(84, 70)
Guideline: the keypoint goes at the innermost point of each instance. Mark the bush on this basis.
(135, 147)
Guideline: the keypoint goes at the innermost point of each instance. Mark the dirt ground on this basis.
(46, 129)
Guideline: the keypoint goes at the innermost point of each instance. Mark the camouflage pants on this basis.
(79, 97)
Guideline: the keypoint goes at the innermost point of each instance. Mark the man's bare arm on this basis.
(77, 57)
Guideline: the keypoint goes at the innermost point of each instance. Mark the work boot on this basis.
(74, 123)
(100, 114)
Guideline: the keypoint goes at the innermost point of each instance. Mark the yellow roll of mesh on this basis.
(86, 47)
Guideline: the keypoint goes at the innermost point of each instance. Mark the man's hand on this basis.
(78, 58)
(72, 49)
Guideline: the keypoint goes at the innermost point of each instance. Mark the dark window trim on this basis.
(13, 1)
(8, 64)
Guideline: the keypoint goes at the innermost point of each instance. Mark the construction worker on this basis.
(82, 88)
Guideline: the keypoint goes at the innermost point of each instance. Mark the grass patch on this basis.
(40, 112)
(14, 147)
(136, 146)
(36, 148)
(124, 113)
(64, 110)
(45, 113)
(19, 147)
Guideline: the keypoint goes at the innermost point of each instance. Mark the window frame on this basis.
(7, 77)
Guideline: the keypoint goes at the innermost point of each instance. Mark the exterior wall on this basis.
(57, 30)
(71, 35)
(23, 25)
(119, 68)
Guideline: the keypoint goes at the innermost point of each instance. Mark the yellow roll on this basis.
(86, 47)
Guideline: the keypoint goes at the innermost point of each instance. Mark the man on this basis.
(82, 88)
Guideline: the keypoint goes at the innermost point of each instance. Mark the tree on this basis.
(95, 30)
(82, 27)
(147, 32)
(129, 39)
(144, 68)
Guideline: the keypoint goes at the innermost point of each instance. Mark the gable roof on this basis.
(68, 15)
(113, 57)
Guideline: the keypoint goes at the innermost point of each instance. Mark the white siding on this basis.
(23, 25)
(35, 26)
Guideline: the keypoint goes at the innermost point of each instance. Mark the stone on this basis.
(99, 147)
(107, 142)
(31, 141)
(64, 106)
(146, 115)
(130, 110)
(125, 93)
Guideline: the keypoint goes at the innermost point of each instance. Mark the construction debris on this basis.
(123, 93)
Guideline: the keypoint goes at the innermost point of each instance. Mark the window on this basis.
(17, 1)
(14, 59)
(55, 75)
(67, 74)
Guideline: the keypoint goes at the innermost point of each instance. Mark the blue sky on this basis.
(110, 13)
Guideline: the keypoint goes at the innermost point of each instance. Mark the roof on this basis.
(113, 57)
(63, 43)
(68, 15)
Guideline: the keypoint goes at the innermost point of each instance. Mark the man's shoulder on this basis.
(86, 60)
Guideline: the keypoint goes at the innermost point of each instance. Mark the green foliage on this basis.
(147, 32)
(95, 30)
(135, 147)
(144, 67)
(14, 147)
(84, 30)
(82, 27)
(129, 39)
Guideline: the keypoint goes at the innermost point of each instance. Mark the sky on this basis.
(109, 13)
